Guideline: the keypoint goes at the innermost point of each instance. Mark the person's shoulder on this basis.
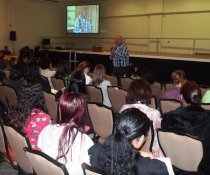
(146, 165)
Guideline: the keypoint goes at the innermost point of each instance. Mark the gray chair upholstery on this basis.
(167, 105)
(18, 141)
(51, 105)
(185, 152)
(102, 120)
(117, 97)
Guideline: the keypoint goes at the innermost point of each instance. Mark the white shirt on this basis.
(103, 87)
(48, 74)
(48, 143)
(88, 79)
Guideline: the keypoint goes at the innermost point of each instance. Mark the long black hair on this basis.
(118, 155)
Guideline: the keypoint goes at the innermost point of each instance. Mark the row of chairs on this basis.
(31, 161)
(186, 153)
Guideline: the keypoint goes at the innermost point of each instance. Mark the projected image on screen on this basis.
(83, 19)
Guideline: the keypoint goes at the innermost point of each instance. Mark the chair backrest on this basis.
(57, 83)
(4, 146)
(125, 83)
(10, 95)
(185, 152)
(51, 105)
(153, 103)
(94, 93)
(2, 94)
(167, 105)
(102, 120)
(205, 106)
(168, 85)
(149, 141)
(117, 97)
(158, 85)
(112, 79)
(18, 141)
(89, 170)
(44, 164)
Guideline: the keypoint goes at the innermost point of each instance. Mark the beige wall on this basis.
(133, 19)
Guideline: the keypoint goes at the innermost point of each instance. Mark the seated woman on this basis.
(46, 71)
(100, 81)
(15, 78)
(139, 96)
(63, 71)
(66, 141)
(179, 78)
(84, 67)
(191, 119)
(30, 115)
(120, 155)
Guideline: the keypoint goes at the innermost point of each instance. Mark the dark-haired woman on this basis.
(120, 155)
(66, 141)
(191, 119)
(30, 115)
(139, 96)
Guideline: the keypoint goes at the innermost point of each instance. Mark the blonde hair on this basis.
(98, 74)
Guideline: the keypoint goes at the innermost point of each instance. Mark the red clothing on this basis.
(35, 123)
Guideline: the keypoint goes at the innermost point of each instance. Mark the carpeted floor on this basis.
(6, 169)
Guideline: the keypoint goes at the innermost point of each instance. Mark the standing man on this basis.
(120, 58)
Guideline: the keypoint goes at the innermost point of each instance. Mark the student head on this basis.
(70, 113)
(29, 97)
(191, 93)
(16, 73)
(139, 91)
(44, 63)
(148, 75)
(178, 77)
(71, 109)
(63, 69)
(77, 83)
(84, 66)
(32, 73)
(120, 150)
(98, 74)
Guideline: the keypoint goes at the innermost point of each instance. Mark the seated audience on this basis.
(45, 70)
(100, 81)
(134, 72)
(139, 96)
(63, 71)
(65, 141)
(148, 75)
(1, 55)
(191, 119)
(15, 78)
(120, 154)
(84, 66)
(6, 51)
(179, 78)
